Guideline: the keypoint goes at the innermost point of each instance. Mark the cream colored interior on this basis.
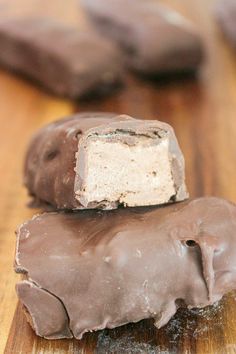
(138, 174)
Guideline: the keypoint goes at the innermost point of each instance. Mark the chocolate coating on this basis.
(110, 268)
(64, 60)
(226, 17)
(60, 147)
(154, 38)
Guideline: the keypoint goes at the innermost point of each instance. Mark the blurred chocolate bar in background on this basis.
(154, 38)
(225, 12)
(63, 59)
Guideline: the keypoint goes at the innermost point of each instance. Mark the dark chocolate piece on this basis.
(154, 38)
(102, 160)
(63, 59)
(92, 270)
(226, 16)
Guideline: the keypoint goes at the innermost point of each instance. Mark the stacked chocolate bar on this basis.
(88, 267)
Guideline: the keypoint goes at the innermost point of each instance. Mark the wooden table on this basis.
(203, 113)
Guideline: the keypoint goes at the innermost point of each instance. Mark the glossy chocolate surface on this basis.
(91, 270)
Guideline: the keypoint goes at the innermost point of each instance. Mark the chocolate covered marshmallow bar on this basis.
(94, 269)
(103, 160)
(154, 38)
(64, 60)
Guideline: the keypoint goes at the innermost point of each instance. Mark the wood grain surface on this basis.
(203, 112)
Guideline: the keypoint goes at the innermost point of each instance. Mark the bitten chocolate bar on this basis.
(103, 160)
(62, 59)
(154, 38)
(94, 269)
(226, 17)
